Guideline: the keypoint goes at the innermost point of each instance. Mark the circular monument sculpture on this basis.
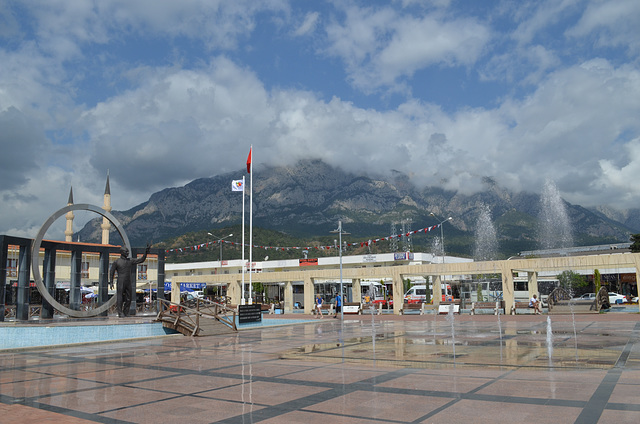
(36, 254)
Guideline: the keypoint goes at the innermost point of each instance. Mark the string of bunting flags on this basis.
(361, 244)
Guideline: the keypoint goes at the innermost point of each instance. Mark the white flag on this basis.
(237, 185)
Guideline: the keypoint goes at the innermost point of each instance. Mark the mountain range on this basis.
(307, 200)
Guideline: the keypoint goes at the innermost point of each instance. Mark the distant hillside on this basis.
(306, 201)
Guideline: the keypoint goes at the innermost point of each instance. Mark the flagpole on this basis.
(251, 225)
(244, 264)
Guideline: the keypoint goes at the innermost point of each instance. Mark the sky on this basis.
(158, 93)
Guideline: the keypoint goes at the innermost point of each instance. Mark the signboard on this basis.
(403, 256)
(308, 262)
(369, 258)
(185, 286)
(249, 313)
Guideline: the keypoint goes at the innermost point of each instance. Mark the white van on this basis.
(418, 293)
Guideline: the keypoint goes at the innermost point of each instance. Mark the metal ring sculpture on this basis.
(35, 256)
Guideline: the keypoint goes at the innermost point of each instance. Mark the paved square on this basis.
(385, 369)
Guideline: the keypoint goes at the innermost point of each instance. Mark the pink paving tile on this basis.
(619, 417)
(73, 368)
(269, 369)
(263, 393)
(378, 405)
(45, 386)
(186, 409)
(187, 384)
(626, 393)
(27, 414)
(123, 375)
(440, 383)
(335, 375)
(9, 376)
(105, 399)
(575, 376)
(630, 376)
(479, 412)
(303, 417)
(541, 389)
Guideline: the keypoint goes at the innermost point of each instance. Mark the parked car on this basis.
(586, 296)
(634, 299)
(616, 298)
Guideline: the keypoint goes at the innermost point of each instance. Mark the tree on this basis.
(597, 280)
(479, 295)
(570, 280)
(635, 243)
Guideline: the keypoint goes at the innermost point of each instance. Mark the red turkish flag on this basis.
(249, 162)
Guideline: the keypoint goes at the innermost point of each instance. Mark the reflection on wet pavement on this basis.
(475, 345)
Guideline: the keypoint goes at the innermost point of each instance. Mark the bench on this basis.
(523, 307)
(325, 307)
(352, 308)
(492, 306)
(274, 306)
(420, 307)
(580, 306)
(445, 307)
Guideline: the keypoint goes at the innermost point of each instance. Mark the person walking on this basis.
(338, 305)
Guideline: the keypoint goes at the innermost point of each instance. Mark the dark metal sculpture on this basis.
(36, 251)
(124, 267)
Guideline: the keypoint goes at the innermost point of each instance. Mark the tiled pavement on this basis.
(382, 369)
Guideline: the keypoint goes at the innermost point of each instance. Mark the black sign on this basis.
(250, 313)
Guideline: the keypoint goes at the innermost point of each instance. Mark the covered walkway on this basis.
(608, 263)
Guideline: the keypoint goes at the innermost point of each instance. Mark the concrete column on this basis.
(161, 277)
(532, 277)
(234, 291)
(49, 271)
(398, 293)
(356, 290)
(3, 275)
(309, 295)
(24, 272)
(288, 297)
(103, 280)
(437, 290)
(175, 292)
(75, 297)
(636, 260)
(507, 287)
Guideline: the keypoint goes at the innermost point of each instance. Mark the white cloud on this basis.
(308, 25)
(621, 179)
(612, 22)
(576, 123)
(381, 46)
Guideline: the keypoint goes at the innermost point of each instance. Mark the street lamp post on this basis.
(220, 240)
(441, 232)
(340, 233)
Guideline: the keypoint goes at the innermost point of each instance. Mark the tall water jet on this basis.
(437, 249)
(486, 239)
(555, 227)
(451, 319)
(549, 340)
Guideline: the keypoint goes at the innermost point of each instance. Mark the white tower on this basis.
(68, 232)
(106, 225)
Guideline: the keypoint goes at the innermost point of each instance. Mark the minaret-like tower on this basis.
(106, 225)
(68, 233)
